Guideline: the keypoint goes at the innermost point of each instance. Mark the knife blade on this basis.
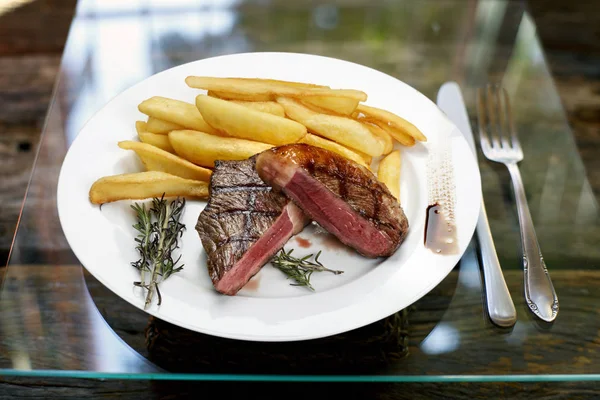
(500, 306)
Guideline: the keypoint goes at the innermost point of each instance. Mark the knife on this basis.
(499, 302)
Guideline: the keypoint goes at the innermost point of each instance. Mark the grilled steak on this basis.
(343, 197)
(244, 224)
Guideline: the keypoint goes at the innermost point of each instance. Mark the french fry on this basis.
(266, 87)
(270, 107)
(400, 136)
(338, 105)
(145, 185)
(330, 145)
(155, 159)
(175, 111)
(140, 126)
(281, 82)
(245, 123)
(158, 140)
(392, 120)
(155, 125)
(343, 130)
(388, 142)
(204, 149)
(240, 97)
(389, 172)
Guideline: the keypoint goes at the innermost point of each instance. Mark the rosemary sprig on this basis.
(300, 269)
(158, 232)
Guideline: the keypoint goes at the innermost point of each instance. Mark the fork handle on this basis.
(539, 291)
(499, 303)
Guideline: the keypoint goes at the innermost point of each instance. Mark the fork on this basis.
(499, 143)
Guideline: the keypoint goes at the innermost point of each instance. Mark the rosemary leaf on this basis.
(158, 230)
(300, 269)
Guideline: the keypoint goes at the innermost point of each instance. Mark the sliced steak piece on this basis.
(345, 198)
(244, 224)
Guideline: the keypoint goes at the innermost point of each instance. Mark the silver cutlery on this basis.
(499, 302)
(499, 143)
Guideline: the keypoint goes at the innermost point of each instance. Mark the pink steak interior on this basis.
(261, 251)
(335, 215)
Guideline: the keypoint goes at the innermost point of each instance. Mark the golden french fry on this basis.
(400, 136)
(389, 172)
(270, 107)
(140, 126)
(175, 111)
(337, 105)
(145, 185)
(386, 138)
(330, 145)
(245, 123)
(240, 97)
(265, 87)
(280, 82)
(155, 159)
(159, 126)
(343, 130)
(204, 149)
(392, 120)
(158, 140)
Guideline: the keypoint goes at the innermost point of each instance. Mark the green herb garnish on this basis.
(300, 269)
(159, 230)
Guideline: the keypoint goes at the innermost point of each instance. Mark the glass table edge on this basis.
(301, 378)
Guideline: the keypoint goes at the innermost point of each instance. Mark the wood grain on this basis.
(32, 38)
(57, 314)
(58, 328)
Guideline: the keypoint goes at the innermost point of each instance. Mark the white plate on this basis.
(269, 309)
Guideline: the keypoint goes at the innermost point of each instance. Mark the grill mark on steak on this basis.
(251, 202)
(246, 212)
(342, 196)
(229, 189)
(243, 225)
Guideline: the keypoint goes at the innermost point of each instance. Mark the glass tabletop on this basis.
(57, 320)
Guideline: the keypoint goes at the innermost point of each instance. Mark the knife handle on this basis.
(500, 305)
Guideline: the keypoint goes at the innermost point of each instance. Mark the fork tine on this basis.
(492, 105)
(511, 126)
(501, 97)
(483, 137)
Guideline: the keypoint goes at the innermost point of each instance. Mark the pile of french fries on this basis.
(239, 117)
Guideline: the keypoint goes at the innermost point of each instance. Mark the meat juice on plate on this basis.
(440, 233)
(302, 242)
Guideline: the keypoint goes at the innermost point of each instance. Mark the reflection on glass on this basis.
(469, 275)
(518, 334)
(443, 339)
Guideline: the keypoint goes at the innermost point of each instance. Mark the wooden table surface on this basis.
(32, 37)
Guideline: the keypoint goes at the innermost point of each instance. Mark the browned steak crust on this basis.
(241, 207)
